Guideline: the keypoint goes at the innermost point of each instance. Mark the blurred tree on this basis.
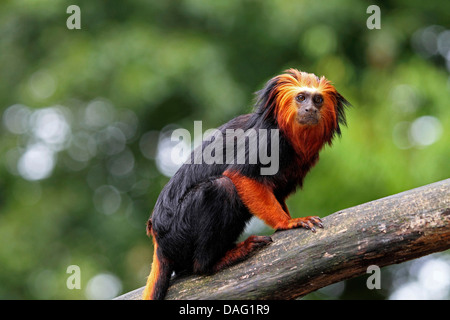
(86, 115)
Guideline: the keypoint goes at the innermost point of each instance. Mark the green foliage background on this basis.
(150, 64)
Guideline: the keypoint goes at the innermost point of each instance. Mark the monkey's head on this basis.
(306, 108)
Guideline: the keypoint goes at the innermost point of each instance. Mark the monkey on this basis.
(204, 208)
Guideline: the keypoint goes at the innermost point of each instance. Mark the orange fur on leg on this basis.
(261, 202)
(242, 251)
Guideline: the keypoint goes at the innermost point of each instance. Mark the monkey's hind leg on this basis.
(242, 251)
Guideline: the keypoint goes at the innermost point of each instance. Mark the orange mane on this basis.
(306, 139)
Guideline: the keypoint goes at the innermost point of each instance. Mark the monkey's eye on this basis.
(300, 98)
(318, 99)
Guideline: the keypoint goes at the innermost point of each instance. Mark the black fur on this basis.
(199, 215)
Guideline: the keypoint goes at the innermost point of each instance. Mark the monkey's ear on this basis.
(340, 107)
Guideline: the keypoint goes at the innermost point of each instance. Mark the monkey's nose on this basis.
(311, 110)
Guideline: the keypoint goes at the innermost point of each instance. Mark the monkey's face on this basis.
(308, 102)
(308, 109)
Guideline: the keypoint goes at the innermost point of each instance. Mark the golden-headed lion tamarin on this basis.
(204, 208)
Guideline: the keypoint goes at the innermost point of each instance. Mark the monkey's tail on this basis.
(159, 278)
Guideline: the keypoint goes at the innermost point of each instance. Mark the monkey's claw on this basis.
(314, 220)
(306, 222)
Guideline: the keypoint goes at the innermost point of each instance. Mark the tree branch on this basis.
(390, 230)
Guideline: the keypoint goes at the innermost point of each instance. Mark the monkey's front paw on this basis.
(306, 222)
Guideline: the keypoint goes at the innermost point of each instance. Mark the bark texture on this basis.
(390, 230)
